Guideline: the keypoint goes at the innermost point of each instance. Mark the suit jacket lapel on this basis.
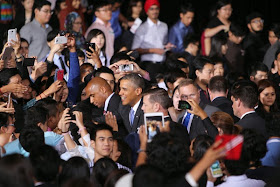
(137, 116)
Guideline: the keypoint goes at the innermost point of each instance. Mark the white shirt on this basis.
(151, 35)
(107, 101)
(135, 107)
(246, 114)
(239, 181)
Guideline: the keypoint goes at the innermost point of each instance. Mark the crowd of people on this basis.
(80, 77)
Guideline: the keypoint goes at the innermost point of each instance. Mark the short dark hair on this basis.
(185, 8)
(38, 4)
(120, 56)
(99, 127)
(103, 69)
(74, 168)
(52, 34)
(200, 145)
(258, 67)
(100, 3)
(218, 84)
(198, 64)
(31, 137)
(39, 157)
(153, 176)
(49, 104)
(247, 92)
(101, 170)
(35, 115)
(252, 16)
(159, 95)
(3, 119)
(6, 74)
(275, 27)
(24, 40)
(160, 153)
(172, 76)
(237, 29)
(135, 79)
(190, 39)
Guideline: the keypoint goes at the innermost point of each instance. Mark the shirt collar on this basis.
(102, 22)
(152, 23)
(135, 107)
(107, 101)
(246, 114)
(237, 178)
(182, 25)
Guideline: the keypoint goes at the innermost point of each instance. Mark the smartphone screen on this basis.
(216, 169)
(126, 67)
(28, 61)
(92, 45)
(152, 121)
(184, 105)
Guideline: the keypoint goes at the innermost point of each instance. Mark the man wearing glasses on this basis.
(103, 13)
(254, 44)
(36, 31)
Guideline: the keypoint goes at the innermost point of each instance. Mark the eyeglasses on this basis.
(78, 23)
(258, 21)
(47, 11)
(185, 97)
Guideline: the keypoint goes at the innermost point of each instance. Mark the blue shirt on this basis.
(177, 34)
(51, 139)
(272, 157)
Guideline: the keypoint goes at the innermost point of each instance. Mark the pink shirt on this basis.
(109, 35)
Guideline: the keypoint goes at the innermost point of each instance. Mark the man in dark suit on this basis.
(195, 119)
(131, 88)
(102, 96)
(244, 98)
(218, 90)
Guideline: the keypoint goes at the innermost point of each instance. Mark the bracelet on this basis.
(21, 57)
(141, 150)
(40, 96)
(44, 94)
(65, 132)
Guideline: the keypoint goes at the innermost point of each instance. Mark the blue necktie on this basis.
(186, 120)
(131, 116)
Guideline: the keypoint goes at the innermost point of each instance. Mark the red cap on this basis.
(150, 3)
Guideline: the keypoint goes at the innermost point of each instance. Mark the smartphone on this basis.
(151, 124)
(233, 145)
(92, 45)
(69, 105)
(12, 35)
(10, 102)
(59, 73)
(216, 170)
(60, 40)
(7, 55)
(28, 61)
(126, 67)
(184, 105)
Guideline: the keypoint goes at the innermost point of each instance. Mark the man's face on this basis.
(189, 92)
(103, 144)
(272, 37)
(256, 25)
(109, 78)
(235, 106)
(129, 94)
(28, 93)
(259, 76)
(205, 74)
(17, 80)
(43, 15)
(104, 13)
(147, 106)
(187, 18)
(153, 12)
(96, 96)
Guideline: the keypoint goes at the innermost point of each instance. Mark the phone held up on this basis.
(92, 45)
(59, 73)
(152, 121)
(184, 105)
